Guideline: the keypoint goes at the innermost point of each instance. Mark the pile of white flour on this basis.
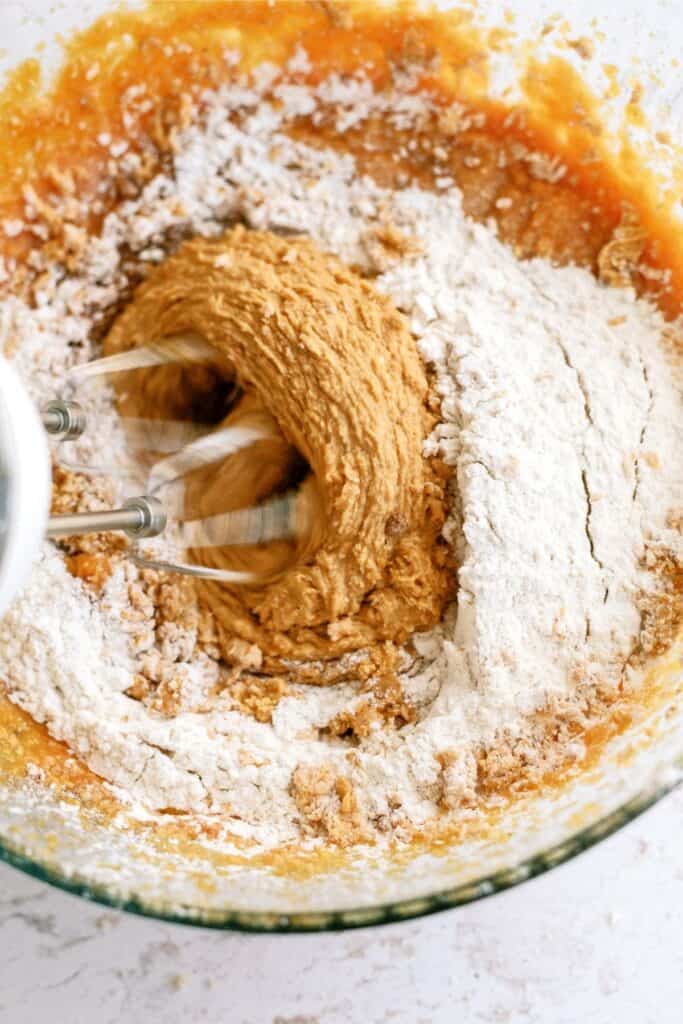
(560, 414)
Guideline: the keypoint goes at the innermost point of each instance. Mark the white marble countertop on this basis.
(597, 941)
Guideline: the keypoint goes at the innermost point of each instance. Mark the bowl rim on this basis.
(273, 922)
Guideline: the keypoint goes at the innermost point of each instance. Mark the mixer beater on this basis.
(184, 447)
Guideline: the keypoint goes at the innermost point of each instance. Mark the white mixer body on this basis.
(24, 483)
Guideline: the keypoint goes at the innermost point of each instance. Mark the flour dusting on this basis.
(560, 416)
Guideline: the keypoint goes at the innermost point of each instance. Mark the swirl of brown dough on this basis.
(318, 349)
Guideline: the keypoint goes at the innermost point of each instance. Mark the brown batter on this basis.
(308, 341)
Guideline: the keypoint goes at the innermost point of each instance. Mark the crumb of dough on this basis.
(328, 805)
(381, 710)
(140, 687)
(168, 696)
(73, 493)
(385, 705)
(457, 779)
(258, 695)
(619, 258)
(584, 46)
(661, 610)
(240, 653)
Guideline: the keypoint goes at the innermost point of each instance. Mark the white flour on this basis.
(560, 415)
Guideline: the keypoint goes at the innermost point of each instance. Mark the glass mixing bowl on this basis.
(56, 839)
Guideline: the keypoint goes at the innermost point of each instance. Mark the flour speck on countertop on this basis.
(560, 417)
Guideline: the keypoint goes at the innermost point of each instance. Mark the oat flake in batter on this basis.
(560, 417)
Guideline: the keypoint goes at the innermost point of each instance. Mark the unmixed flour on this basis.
(560, 414)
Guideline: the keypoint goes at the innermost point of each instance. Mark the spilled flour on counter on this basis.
(560, 416)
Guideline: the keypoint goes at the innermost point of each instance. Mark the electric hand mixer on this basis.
(184, 447)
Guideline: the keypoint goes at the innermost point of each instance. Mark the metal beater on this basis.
(182, 446)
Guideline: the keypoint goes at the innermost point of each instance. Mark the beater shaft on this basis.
(140, 517)
(179, 448)
(64, 421)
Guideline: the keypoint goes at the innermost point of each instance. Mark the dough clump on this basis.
(317, 350)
